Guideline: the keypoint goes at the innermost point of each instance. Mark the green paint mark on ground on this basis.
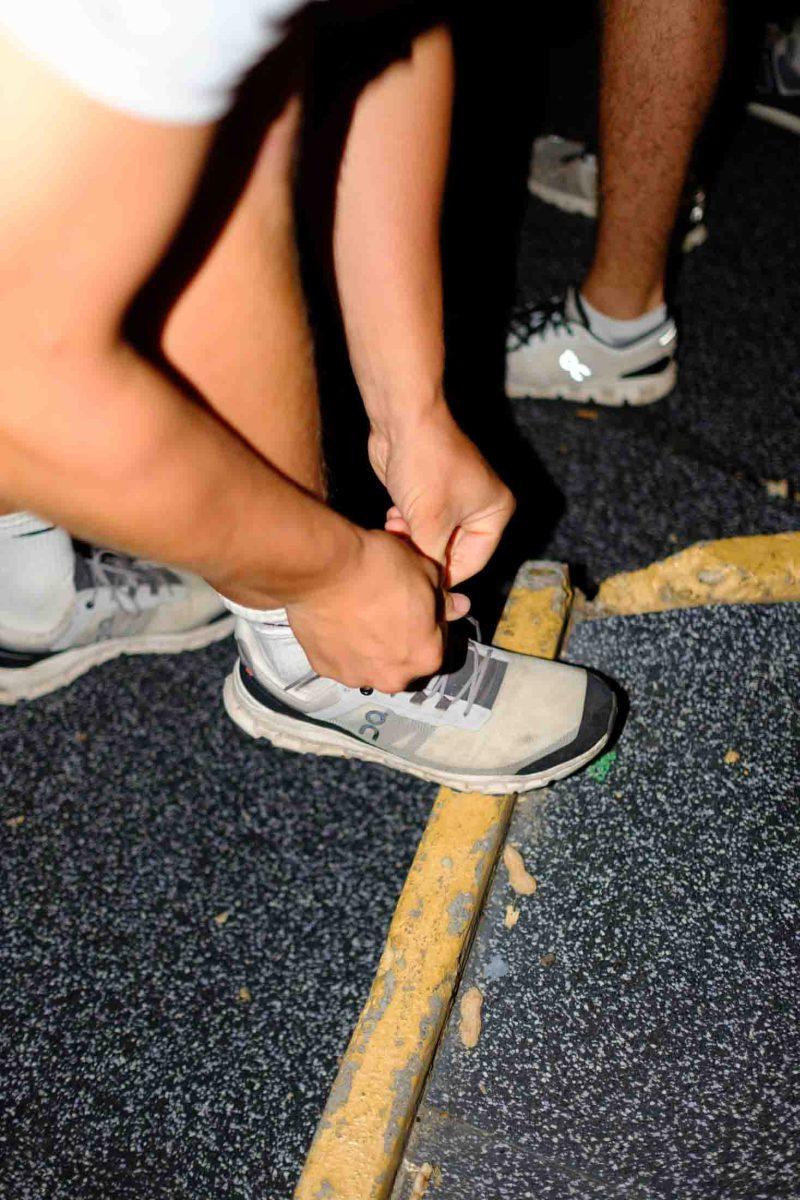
(600, 770)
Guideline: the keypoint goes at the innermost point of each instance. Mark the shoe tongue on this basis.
(82, 574)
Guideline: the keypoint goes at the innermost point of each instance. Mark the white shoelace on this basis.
(436, 686)
(470, 688)
(122, 577)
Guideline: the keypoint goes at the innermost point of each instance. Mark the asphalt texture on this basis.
(640, 1023)
(155, 863)
(134, 818)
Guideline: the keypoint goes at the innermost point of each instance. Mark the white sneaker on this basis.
(501, 723)
(552, 353)
(122, 605)
(564, 173)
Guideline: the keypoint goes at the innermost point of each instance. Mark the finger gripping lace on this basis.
(478, 658)
(441, 686)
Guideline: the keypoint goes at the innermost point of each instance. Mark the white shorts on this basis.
(165, 60)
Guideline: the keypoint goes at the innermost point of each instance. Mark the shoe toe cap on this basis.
(597, 722)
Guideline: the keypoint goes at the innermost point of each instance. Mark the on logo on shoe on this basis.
(570, 362)
(372, 722)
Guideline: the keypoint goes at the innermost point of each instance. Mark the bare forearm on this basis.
(109, 448)
(387, 232)
(91, 434)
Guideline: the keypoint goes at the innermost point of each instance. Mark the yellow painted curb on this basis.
(359, 1143)
(535, 612)
(746, 570)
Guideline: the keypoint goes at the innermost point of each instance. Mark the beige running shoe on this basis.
(500, 723)
(121, 605)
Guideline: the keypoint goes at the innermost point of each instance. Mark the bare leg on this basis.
(661, 60)
(104, 444)
(239, 331)
(245, 309)
(108, 446)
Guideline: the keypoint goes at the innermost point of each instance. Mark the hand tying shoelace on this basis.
(468, 688)
(489, 720)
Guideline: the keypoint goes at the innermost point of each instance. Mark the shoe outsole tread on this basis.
(60, 669)
(636, 393)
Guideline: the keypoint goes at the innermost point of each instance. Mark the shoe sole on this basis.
(288, 734)
(695, 237)
(775, 116)
(563, 200)
(29, 683)
(613, 393)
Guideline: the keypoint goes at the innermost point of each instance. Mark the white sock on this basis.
(272, 618)
(621, 333)
(37, 585)
(271, 638)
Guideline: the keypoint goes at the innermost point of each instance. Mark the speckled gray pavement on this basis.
(164, 863)
(130, 1068)
(641, 1022)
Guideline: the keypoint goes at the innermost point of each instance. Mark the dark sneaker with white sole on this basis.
(501, 723)
(122, 605)
(551, 352)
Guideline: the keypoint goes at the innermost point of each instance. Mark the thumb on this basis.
(430, 534)
(456, 605)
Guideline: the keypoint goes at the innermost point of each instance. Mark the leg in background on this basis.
(661, 61)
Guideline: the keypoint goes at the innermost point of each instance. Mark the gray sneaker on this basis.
(564, 173)
(552, 353)
(122, 605)
(501, 723)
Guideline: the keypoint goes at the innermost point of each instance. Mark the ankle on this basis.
(618, 331)
(621, 301)
(271, 650)
(37, 588)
